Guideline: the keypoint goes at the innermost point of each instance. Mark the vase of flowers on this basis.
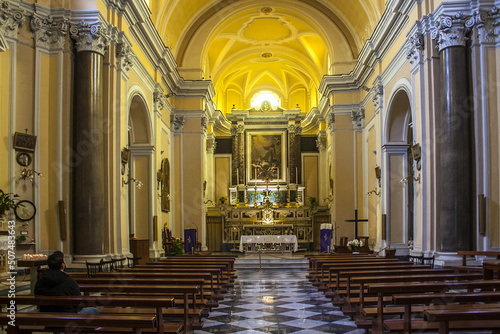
(354, 245)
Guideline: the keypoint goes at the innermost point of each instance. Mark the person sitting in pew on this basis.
(55, 282)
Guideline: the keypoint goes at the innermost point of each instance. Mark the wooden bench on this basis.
(475, 316)
(158, 303)
(143, 290)
(410, 300)
(67, 322)
(382, 290)
(476, 253)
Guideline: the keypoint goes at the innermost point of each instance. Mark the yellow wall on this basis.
(4, 115)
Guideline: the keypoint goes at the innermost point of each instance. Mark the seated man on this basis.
(55, 282)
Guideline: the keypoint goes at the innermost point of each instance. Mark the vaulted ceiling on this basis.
(251, 45)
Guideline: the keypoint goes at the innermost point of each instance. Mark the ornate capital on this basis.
(234, 132)
(91, 37)
(358, 117)
(321, 141)
(291, 129)
(240, 129)
(331, 120)
(298, 130)
(204, 124)
(378, 94)
(178, 122)
(451, 31)
(159, 99)
(488, 25)
(124, 54)
(11, 19)
(211, 143)
(415, 47)
(49, 33)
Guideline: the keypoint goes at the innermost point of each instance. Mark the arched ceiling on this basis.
(250, 45)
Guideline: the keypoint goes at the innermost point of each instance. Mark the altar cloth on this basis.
(269, 239)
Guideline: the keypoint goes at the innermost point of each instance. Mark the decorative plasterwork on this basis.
(378, 94)
(91, 37)
(49, 33)
(321, 140)
(11, 19)
(282, 30)
(124, 52)
(240, 129)
(204, 124)
(451, 30)
(298, 130)
(291, 128)
(330, 119)
(358, 118)
(211, 143)
(234, 132)
(415, 48)
(178, 122)
(159, 99)
(488, 25)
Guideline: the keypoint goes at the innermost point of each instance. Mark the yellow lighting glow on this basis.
(265, 96)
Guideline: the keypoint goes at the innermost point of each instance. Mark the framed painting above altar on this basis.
(266, 154)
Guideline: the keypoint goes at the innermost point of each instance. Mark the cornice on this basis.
(312, 121)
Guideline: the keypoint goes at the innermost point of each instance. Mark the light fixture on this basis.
(130, 180)
(374, 191)
(29, 174)
(410, 177)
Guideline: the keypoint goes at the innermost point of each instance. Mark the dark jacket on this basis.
(57, 283)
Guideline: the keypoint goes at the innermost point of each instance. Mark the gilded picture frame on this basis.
(24, 142)
(266, 155)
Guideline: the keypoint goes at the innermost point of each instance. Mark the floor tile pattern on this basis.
(276, 301)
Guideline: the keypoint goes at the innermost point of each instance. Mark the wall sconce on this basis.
(378, 175)
(410, 177)
(416, 154)
(29, 174)
(374, 191)
(130, 180)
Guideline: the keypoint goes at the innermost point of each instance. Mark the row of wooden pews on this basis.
(136, 300)
(396, 296)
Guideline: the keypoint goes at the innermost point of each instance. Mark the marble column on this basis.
(89, 131)
(453, 138)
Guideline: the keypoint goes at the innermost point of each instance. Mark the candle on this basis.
(237, 176)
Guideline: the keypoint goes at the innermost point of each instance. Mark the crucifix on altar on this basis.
(356, 220)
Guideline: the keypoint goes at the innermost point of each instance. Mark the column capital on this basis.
(451, 30)
(91, 37)
(50, 33)
(378, 94)
(178, 122)
(211, 143)
(415, 48)
(488, 25)
(291, 129)
(358, 118)
(124, 54)
(159, 99)
(204, 124)
(321, 140)
(330, 119)
(11, 19)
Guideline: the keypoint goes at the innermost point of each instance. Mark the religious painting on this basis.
(265, 156)
(24, 141)
(165, 185)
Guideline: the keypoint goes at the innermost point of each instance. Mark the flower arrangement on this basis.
(354, 245)
(177, 247)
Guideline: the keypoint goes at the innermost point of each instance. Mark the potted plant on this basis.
(222, 200)
(177, 247)
(20, 239)
(7, 201)
(313, 203)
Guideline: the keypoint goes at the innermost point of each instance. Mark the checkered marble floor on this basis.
(276, 301)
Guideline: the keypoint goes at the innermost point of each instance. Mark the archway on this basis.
(399, 171)
(138, 176)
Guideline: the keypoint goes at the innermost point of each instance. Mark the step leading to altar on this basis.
(271, 261)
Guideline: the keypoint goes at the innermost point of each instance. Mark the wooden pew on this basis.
(475, 316)
(410, 300)
(113, 289)
(388, 289)
(476, 253)
(69, 321)
(158, 303)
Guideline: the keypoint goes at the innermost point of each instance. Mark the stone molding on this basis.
(159, 99)
(94, 37)
(451, 30)
(49, 33)
(124, 54)
(331, 119)
(378, 94)
(321, 140)
(204, 124)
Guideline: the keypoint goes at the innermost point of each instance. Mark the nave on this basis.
(276, 301)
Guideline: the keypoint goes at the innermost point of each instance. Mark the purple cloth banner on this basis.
(326, 240)
(189, 239)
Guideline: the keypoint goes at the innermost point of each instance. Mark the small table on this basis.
(269, 242)
(33, 265)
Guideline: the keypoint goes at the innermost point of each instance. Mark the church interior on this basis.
(129, 126)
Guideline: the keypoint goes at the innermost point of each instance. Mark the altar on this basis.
(269, 243)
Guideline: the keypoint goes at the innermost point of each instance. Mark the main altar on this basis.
(266, 193)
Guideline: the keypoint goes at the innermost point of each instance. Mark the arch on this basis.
(138, 118)
(399, 114)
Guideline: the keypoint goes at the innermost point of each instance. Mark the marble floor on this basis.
(276, 301)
